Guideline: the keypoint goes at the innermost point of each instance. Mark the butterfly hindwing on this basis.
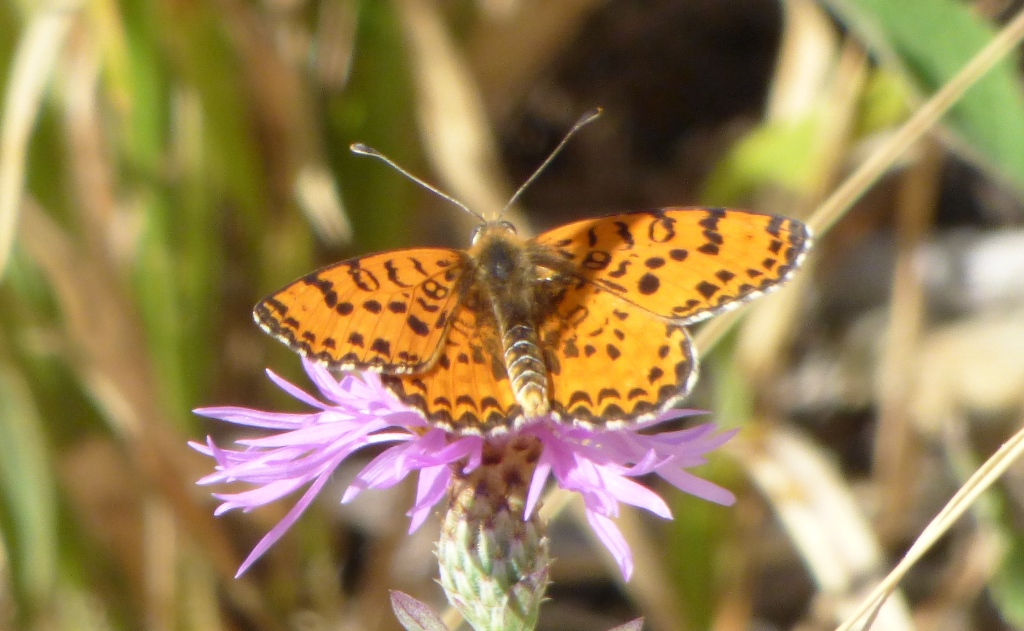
(686, 264)
(610, 363)
(467, 391)
(386, 312)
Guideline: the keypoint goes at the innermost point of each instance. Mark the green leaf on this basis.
(933, 40)
(29, 507)
(780, 153)
(376, 109)
(414, 615)
(1007, 587)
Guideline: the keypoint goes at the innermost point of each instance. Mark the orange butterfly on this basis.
(583, 322)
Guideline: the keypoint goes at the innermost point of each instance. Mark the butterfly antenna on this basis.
(582, 122)
(361, 149)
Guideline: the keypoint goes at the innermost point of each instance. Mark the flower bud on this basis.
(493, 562)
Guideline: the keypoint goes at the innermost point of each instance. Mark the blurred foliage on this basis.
(190, 156)
(933, 39)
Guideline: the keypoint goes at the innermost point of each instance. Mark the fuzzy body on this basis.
(509, 282)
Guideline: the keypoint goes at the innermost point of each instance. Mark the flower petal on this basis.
(253, 418)
(635, 494)
(612, 538)
(282, 526)
(295, 391)
(431, 488)
(540, 478)
(699, 487)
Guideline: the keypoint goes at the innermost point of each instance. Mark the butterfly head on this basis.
(498, 251)
(490, 229)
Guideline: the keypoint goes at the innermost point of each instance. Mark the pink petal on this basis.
(540, 477)
(327, 384)
(282, 526)
(295, 391)
(253, 418)
(431, 488)
(612, 538)
(383, 472)
(699, 487)
(630, 492)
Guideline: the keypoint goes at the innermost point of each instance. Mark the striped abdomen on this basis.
(526, 370)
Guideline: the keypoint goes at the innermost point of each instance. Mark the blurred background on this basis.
(164, 164)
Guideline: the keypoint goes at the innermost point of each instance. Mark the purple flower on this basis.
(307, 448)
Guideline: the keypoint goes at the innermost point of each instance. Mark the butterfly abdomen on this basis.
(526, 370)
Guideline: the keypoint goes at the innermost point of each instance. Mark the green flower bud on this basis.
(493, 563)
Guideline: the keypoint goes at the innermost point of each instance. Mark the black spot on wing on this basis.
(648, 284)
(381, 346)
(620, 270)
(427, 306)
(276, 305)
(707, 289)
(580, 397)
(636, 392)
(622, 230)
(419, 327)
(596, 260)
(392, 271)
(655, 374)
(654, 262)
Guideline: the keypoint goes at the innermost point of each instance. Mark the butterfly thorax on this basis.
(506, 282)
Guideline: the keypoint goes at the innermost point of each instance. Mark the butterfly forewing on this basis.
(683, 263)
(386, 312)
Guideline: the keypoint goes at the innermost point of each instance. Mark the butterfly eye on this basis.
(473, 236)
(507, 226)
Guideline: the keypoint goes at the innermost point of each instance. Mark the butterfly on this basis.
(584, 323)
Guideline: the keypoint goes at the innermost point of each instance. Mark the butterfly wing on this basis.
(616, 348)
(386, 312)
(686, 264)
(467, 391)
(609, 363)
